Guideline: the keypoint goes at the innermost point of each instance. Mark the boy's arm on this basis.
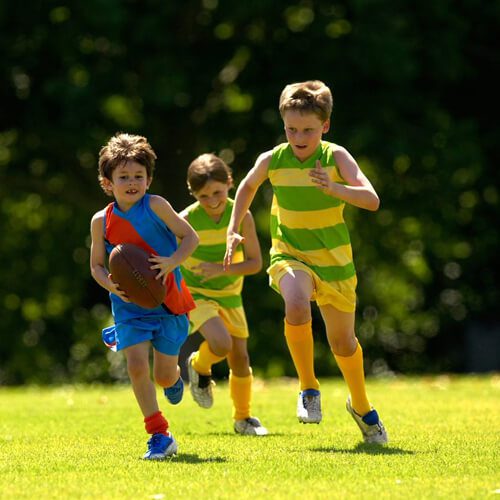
(181, 228)
(98, 257)
(243, 199)
(358, 191)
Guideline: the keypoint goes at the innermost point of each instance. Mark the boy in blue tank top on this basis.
(126, 165)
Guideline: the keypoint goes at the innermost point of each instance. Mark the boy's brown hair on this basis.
(312, 96)
(207, 167)
(120, 149)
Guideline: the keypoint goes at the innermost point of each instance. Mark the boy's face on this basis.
(304, 132)
(129, 183)
(213, 197)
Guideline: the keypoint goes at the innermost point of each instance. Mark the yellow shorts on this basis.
(234, 318)
(339, 294)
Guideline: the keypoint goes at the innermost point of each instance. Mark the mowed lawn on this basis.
(86, 442)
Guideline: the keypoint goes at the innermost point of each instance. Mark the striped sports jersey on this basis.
(142, 227)
(226, 290)
(306, 224)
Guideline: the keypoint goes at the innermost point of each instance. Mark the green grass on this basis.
(80, 441)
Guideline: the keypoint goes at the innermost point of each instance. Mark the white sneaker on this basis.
(250, 426)
(309, 407)
(200, 385)
(371, 426)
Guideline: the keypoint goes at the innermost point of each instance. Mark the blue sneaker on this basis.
(160, 446)
(175, 392)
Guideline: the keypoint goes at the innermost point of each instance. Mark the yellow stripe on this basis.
(299, 177)
(234, 289)
(315, 219)
(339, 256)
(191, 262)
(212, 236)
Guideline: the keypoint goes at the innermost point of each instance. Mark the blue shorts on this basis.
(166, 333)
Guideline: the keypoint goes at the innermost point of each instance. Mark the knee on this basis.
(137, 368)
(298, 310)
(166, 379)
(344, 345)
(222, 346)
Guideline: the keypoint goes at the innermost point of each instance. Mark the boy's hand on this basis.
(115, 288)
(320, 177)
(164, 265)
(233, 240)
(208, 270)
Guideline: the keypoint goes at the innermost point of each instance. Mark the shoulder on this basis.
(341, 154)
(98, 217)
(189, 210)
(158, 203)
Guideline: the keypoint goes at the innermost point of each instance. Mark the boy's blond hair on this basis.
(120, 149)
(312, 96)
(207, 167)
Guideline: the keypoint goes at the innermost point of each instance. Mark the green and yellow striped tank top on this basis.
(226, 290)
(306, 224)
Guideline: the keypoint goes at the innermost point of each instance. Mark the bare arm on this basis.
(358, 191)
(244, 197)
(181, 228)
(98, 257)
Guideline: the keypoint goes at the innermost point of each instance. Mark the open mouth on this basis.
(300, 147)
(132, 191)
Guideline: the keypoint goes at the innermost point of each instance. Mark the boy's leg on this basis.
(240, 379)
(296, 290)
(347, 353)
(212, 350)
(168, 375)
(137, 357)
(240, 389)
(161, 443)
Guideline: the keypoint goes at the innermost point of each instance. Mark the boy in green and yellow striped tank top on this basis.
(219, 315)
(311, 255)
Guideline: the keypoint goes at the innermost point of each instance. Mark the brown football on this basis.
(130, 268)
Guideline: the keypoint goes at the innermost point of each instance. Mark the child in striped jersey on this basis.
(311, 255)
(219, 315)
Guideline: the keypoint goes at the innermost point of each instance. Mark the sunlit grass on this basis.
(80, 441)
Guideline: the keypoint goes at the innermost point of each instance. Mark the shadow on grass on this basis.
(195, 459)
(368, 449)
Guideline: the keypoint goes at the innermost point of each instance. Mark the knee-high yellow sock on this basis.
(354, 375)
(204, 359)
(300, 343)
(240, 389)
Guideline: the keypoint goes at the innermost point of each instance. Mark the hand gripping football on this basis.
(130, 268)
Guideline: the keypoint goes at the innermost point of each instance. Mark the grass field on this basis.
(86, 442)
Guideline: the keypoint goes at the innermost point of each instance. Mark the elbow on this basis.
(374, 204)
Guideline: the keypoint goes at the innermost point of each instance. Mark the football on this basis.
(130, 268)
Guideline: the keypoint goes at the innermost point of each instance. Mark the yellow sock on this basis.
(354, 375)
(204, 359)
(300, 343)
(240, 389)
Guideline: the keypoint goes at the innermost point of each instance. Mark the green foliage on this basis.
(91, 439)
(412, 87)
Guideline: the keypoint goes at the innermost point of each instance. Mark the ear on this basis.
(326, 126)
(150, 180)
(107, 184)
(230, 182)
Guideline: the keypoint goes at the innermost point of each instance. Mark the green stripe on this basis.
(218, 283)
(210, 253)
(326, 273)
(311, 239)
(304, 198)
(228, 302)
(201, 221)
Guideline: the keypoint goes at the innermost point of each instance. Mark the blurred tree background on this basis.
(414, 90)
